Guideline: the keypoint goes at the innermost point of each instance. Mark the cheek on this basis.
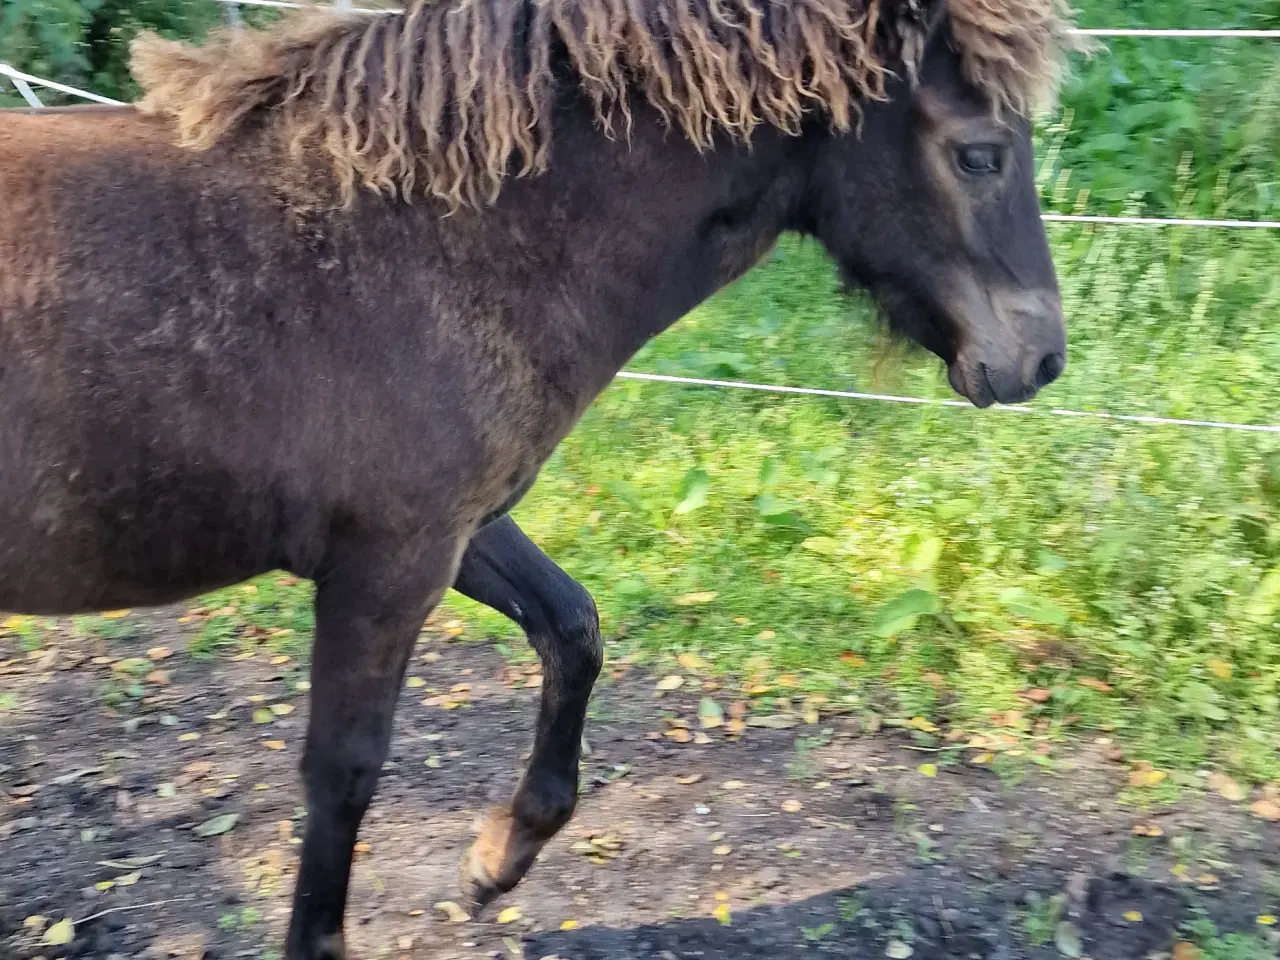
(954, 212)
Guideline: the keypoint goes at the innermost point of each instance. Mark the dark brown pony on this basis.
(328, 298)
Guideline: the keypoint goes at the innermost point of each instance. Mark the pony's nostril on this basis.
(1051, 368)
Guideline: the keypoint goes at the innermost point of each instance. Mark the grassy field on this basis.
(1029, 575)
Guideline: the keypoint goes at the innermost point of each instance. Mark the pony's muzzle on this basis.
(1019, 347)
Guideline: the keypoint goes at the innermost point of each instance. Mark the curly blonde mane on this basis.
(451, 95)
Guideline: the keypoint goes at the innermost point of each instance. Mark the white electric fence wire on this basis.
(925, 401)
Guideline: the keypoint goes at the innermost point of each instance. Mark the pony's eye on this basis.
(980, 158)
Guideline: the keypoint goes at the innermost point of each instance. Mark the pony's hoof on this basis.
(477, 888)
(498, 860)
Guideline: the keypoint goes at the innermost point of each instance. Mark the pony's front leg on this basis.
(504, 569)
(371, 601)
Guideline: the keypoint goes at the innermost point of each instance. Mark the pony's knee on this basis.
(575, 624)
(342, 781)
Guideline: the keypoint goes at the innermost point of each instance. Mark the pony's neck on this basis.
(651, 228)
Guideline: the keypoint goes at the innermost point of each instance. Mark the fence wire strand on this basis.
(1152, 421)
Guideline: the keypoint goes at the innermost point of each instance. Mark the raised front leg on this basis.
(370, 606)
(505, 570)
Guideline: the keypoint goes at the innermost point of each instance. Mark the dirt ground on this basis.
(802, 841)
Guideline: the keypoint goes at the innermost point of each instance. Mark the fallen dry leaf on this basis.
(279, 660)
(510, 915)
(671, 682)
(453, 912)
(679, 735)
(1133, 916)
(273, 744)
(733, 784)
(792, 806)
(1147, 830)
(692, 599)
(60, 934)
(1266, 810)
(1146, 778)
(569, 925)
(196, 769)
(1185, 950)
(1220, 668)
(851, 659)
(691, 662)
(928, 769)
(282, 709)
(159, 653)
(217, 826)
(1227, 787)
(1094, 684)
(723, 850)
(688, 779)
(188, 737)
(723, 914)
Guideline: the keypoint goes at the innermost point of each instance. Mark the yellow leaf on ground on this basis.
(691, 599)
(1267, 920)
(792, 806)
(188, 737)
(1185, 950)
(1147, 830)
(679, 735)
(60, 934)
(116, 614)
(510, 915)
(928, 769)
(273, 744)
(1227, 787)
(671, 682)
(159, 653)
(159, 677)
(983, 758)
(1266, 810)
(1146, 778)
(282, 709)
(453, 912)
(691, 662)
(304, 685)
(766, 635)
(1133, 916)
(569, 925)
(413, 683)
(723, 850)
(688, 779)
(279, 660)
(723, 914)
(1221, 669)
